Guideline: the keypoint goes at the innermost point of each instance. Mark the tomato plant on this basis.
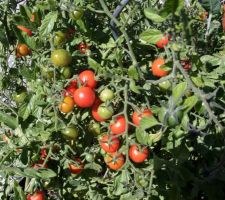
(109, 143)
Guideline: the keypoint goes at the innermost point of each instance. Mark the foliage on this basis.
(185, 134)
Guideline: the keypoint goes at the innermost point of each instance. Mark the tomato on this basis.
(119, 125)
(162, 42)
(69, 91)
(84, 97)
(70, 132)
(203, 16)
(61, 57)
(109, 143)
(185, 64)
(67, 105)
(59, 38)
(77, 14)
(73, 83)
(38, 195)
(106, 95)
(136, 117)
(20, 95)
(94, 111)
(171, 119)
(66, 73)
(114, 160)
(138, 155)
(47, 73)
(83, 48)
(165, 85)
(156, 71)
(23, 50)
(77, 167)
(26, 30)
(89, 157)
(87, 78)
(94, 128)
(104, 111)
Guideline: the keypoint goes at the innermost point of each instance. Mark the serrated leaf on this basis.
(134, 88)
(93, 64)
(8, 120)
(189, 103)
(142, 136)
(172, 6)
(48, 23)
(178, 91)
(212, 60)
(153, 138)
(153, 15)
(148, 122)
(197, 81)
(133, 73)
(150, 36)
(46, 173)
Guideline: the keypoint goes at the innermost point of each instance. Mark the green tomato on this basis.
(76, 14)
(70, 132)
(105, 111)
(59, 38)
(165, 85)
(66, 73)
(94, 128)
(106, 95)
(89, 157)
(20, 95)
(61, 57)
(47, 73)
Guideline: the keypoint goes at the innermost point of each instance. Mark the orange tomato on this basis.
(156, 71)
(76, 168)
(67, 105)
(114, 160)
(22, 50)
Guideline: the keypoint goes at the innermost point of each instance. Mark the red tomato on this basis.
(114, 160)
(84, 97)
(138, 155)
(83, 48)
(73, 83)
(43, 153)
(136, 117)
(109, 143)
(94, 111)
(162, 42)
(185, 64)
(38, 195)
(76, 168)
(69, 91)
(67, 105)
(26, 30)
(156, 71)
(87, 78)
(119, 125)
(22, 50)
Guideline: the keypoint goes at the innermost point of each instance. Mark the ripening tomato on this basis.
(67, 105)
(156, 71)
(70, 132)
(136, 117)
(59, 38)
(94, 128)
(83, 48)
(84, 97)
(162, 42)
(87, 78)
(77, 167)
(186, 64)
(38, 195)
(76, 14)
(22, 50)
(106, 95)
(114, 160)
(61, 57)
(69, 91)
(105, 111)
(138, 155)
(109, 143)
(26, 30)
(94, 110)
(119, 125)
(203, 15)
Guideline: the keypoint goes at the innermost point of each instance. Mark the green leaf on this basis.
(178, 91)
(48, 23)
(153, 138)
(46, 173)
(18, 191)
(197, 81)
(8, 120)
(212, 6)
(24, 156)
(148, 122)
(142, 136)
(189, 103)
(151, 36)
(93, 64)
(172, 6)
(81, 25)
(133, 73)
(210, 60)
(134, 88)
(153, 15)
